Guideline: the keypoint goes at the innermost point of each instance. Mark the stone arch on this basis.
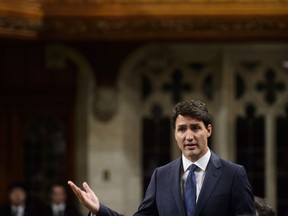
(56, 58)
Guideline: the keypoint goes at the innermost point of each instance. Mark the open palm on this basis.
(87, 197)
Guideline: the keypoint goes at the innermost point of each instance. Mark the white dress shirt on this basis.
(19, 210)
(199, 172)
(58, 208)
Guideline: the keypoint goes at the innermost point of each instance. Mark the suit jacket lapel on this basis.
(176, 185)
(212, 176)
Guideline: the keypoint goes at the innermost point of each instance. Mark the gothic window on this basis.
(156, 142)
(270, 86)
(45, 155)
(166, 79)
(245, 90)
(250, 147)
(259, 95)
(176, 86)
(282, 163)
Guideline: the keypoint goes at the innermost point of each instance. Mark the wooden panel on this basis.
(147, 19)
(29, 93)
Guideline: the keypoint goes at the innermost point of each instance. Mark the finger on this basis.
(75, 189)
(70, 183)
(87, 188)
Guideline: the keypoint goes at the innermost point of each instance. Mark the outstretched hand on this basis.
(87, 197)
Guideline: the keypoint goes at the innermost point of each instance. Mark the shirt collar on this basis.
(58, 207)
(201, 163)
(18, 208)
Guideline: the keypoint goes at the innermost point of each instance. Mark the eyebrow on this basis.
(192, 124)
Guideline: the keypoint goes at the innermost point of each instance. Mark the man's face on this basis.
(192, 137)
(17, 196)
(58, 195)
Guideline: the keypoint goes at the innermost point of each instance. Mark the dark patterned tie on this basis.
(190, 191)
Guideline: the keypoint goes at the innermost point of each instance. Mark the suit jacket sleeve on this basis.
(242, 195)
(105, 211)
(147, 207)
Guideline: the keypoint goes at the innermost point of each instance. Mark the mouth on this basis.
(190, 145)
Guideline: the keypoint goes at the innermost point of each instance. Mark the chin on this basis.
(193, 154)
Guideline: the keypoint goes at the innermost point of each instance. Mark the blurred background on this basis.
(87, 88)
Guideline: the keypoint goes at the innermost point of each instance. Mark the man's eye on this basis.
(196, 128)
(181, 129)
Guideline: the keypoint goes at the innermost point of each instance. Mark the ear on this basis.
(209, 130)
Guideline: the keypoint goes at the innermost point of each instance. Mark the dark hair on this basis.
(263, 207)
(17, 185)
(57, 184)
(193, 108)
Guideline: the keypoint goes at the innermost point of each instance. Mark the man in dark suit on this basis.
(20, 203)
(214, 187)
(263, 207)
(59, 203)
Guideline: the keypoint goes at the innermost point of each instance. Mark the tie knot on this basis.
(193, 167)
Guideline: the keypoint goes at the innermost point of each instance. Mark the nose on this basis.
(189, 135)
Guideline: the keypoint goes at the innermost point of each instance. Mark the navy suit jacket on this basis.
(226, 191)
(33, 207)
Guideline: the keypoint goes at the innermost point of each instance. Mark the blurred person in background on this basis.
(59, 204)
(263, 208)
(20, 204)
